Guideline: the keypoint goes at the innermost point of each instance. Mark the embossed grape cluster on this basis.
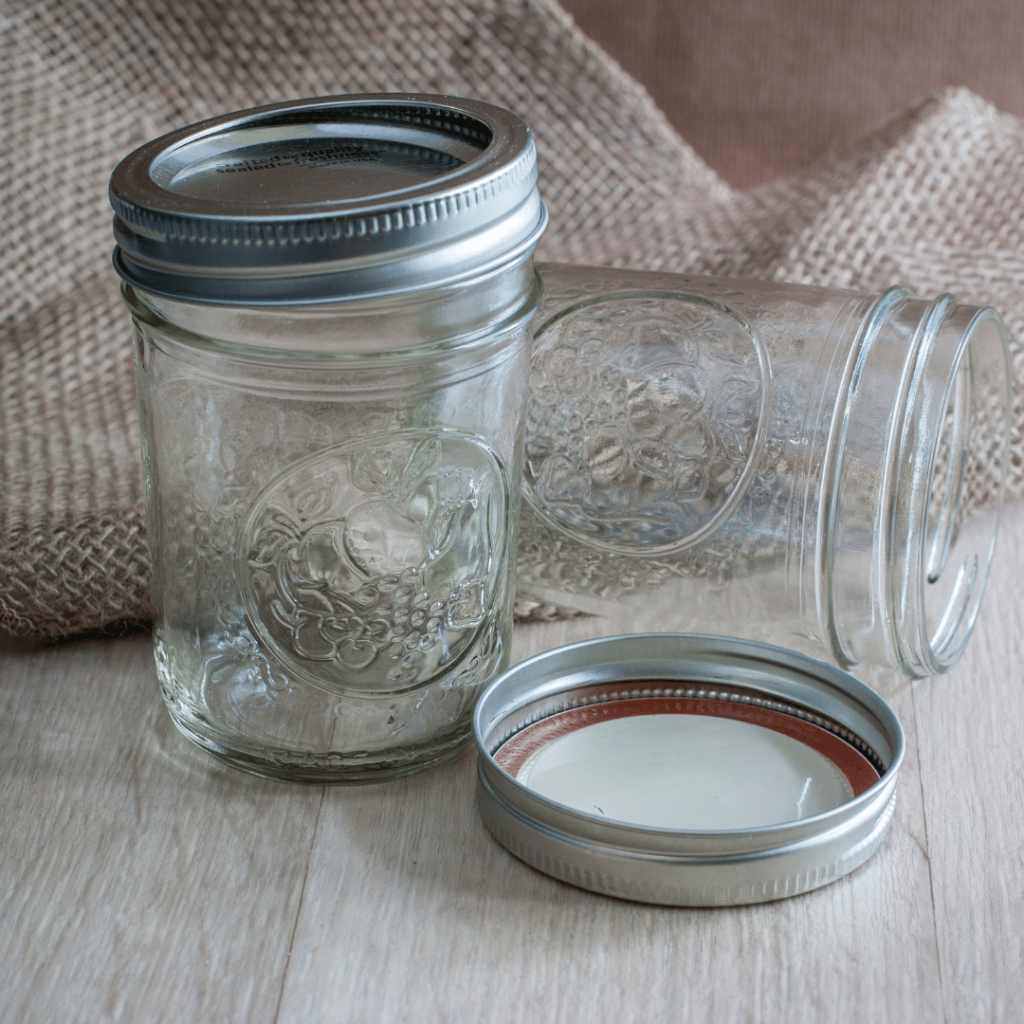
(641, 419)
(381, 553)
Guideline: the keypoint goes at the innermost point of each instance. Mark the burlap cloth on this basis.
(934, 200)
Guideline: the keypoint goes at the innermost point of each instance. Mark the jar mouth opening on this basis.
(375, 150)
(905, 550)
(966, 476)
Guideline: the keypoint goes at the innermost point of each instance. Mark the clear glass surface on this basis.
(804, 466)
(333, 497)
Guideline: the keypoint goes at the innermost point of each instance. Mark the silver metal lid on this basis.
(686, 770)
(339, 197)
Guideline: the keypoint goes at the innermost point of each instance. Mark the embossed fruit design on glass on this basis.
(331, 304)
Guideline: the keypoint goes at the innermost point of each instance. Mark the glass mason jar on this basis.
(810, 467)
(331, 303)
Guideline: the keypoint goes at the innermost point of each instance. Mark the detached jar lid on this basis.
(339, 197)
(686, 770)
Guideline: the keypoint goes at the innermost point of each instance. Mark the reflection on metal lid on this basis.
(686, 770)
(327, 199)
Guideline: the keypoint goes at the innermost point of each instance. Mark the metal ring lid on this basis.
(686, 770)
(316, 200)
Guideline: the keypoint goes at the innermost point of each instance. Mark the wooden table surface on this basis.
(140, 880)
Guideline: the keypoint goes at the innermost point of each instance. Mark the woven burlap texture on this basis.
(933, 200)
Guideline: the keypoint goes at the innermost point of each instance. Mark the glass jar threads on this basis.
(331, 303)
(811, 467)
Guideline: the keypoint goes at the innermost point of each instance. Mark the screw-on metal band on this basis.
(326, 198)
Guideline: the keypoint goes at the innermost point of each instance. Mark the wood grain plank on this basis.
(970, 723)
(141, 880)
(413, 913)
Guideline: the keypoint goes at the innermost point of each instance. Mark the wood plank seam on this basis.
(926, 852)
(298, 909)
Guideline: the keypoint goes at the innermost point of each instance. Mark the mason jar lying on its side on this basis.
(811, 467)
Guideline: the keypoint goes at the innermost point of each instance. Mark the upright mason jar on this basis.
(819, 469)
(331, 303)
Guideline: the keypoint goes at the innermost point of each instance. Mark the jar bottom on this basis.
(329, 768)
(242, 711)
